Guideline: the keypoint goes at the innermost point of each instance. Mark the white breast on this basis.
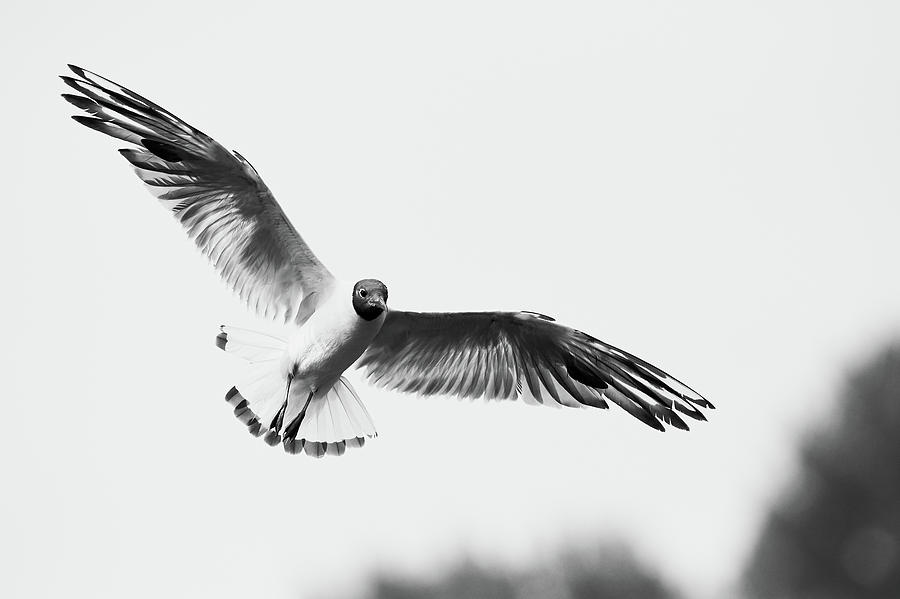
(331, 340)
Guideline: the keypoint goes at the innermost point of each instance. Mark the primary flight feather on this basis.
(295, 393)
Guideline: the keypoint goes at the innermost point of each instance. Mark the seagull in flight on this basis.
(295, 393)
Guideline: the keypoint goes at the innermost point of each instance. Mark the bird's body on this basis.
(294, 392)
(321, 349)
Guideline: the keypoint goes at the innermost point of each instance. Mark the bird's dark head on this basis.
(369, 298)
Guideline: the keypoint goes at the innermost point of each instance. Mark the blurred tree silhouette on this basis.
(607, 572)
(836, 533)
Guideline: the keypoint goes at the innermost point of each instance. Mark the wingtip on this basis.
(701, 402)
(80, 102)
(652, 420)
(680, 424)
(668, 416)
(76, 69)
(75, 84)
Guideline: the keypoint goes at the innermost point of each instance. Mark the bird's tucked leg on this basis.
(273, 436)
(294, 426)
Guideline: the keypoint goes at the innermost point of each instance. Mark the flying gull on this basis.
(295, 393)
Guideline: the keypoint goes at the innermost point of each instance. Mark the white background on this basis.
(712, 187)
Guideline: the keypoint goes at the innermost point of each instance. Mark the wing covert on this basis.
(508, 355)
(217, 196)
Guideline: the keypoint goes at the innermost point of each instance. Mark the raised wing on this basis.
(217, 196)
(507, 355)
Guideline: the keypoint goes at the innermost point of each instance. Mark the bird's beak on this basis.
(378, 300)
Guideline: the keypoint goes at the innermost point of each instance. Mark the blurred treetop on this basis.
(836, 531)
(608, 571)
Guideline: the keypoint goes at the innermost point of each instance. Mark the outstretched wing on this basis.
(216, 195)
(507, 355)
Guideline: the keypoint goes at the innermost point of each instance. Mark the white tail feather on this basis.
(250, 345)
(334, 419)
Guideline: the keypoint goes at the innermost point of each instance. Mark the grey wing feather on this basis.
(508, 355)
(217, 196)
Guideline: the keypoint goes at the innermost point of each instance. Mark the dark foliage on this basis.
(606, 572)
(836, 532)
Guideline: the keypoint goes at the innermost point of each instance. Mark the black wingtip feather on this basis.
(72, 82)
(87, 121)
(643, 415)
(582, 372)
(621, 399)
(81, 102)
(690, 411)
(670, 417)
(164, 150)
(105, 127)
(655, 424)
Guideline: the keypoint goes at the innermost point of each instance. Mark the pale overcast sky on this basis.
(712, 186)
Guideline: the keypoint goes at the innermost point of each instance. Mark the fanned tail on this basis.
(328, 422)
(322, 423)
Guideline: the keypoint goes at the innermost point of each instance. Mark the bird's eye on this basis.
(363, 293)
